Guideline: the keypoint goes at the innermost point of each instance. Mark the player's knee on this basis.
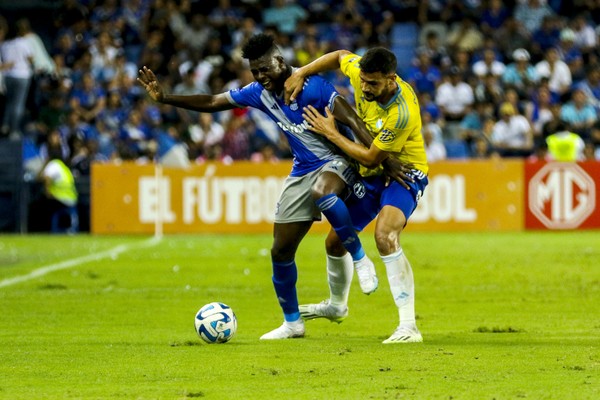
(282, 254)
(387, 242)
(334, 246)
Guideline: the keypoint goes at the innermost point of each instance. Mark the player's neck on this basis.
(391, 92)
(279, 86)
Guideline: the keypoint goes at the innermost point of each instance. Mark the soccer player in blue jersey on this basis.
(320, 174)
(390, 109)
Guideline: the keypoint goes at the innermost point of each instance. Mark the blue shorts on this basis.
(364, 203)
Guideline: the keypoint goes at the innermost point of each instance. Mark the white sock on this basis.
(339, 277)
(402, 286)
(293, 324)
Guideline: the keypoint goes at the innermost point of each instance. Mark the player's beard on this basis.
(369, 96)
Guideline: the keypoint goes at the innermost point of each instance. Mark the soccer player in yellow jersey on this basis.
(390, 109)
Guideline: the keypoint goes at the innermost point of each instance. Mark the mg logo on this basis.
(562, 195)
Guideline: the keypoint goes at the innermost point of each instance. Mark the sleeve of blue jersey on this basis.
(248, 96)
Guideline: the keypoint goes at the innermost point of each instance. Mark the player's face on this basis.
(377, 86)
(269, 72)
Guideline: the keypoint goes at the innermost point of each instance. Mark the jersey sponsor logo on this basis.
(386, 136)
(562, 195)
(293, 128)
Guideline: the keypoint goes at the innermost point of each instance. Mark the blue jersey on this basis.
(310, 150)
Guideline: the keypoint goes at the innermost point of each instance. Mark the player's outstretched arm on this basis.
(327, 62)
(198, 102)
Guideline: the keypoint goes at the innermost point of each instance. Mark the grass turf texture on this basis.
(503, 316)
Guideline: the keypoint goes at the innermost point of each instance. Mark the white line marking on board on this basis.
(115, 251)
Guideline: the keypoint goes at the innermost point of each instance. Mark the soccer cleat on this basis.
(405, 334)
(286, 331)
(324, 310)
(367, 277)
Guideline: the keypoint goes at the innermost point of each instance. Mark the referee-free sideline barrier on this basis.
(477, 195)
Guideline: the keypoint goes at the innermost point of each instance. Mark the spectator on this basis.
(531, 14)
(511, 36)
(435, 150)
(309, 51)
(570, 54)
(520, 75)
(454, 97)
(16, 52)
(465, 36)
(437, 53)
(472, 124)
(541, 113)
(489, 65)
(42, 62)
(61, 194)
(578, 114)
(204, 134)
(424, 76)
(546, 36)
(565, 146)
(285, 15)
(585, 36)
(556, 70)
(489, 90)
(104, 56)
(591, 85)
(88, 99)
(512, 135)
(236, 142)
(590, 153)
(493, 16)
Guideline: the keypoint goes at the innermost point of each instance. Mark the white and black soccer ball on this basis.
(215, 323)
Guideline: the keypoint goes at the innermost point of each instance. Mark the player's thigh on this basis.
(333, 177)
(364, 201)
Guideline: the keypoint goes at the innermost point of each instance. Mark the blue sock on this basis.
(285, 275)
(339, 217)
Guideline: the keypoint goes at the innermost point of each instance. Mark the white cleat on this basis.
(324, 310)
(286, 331)
(405, 334)
(367, 277)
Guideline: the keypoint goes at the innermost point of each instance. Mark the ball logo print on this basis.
(215, 323)
(562, 196)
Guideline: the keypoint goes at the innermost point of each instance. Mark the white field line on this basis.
(76, 261)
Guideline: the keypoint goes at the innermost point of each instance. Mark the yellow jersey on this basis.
(395, 126)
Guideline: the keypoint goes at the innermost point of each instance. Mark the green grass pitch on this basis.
(503, 316)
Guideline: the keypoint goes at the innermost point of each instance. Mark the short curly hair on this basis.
(258, 46)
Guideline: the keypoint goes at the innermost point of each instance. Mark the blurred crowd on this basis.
(494, 78)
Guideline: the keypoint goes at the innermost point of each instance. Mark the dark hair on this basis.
(258, 46)
(379, 59)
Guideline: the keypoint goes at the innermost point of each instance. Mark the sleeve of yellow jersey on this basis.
(349, 67)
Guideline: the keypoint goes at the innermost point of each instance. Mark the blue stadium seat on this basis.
(456, 149)
(405, 33)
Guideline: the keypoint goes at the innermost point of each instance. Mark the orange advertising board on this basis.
(475, 195)
(241, 198)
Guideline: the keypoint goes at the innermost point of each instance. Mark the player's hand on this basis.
(323, 125)
(398, 171)
(148, 80)
(293, 86)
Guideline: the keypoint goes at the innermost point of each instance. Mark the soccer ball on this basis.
(215, 323)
